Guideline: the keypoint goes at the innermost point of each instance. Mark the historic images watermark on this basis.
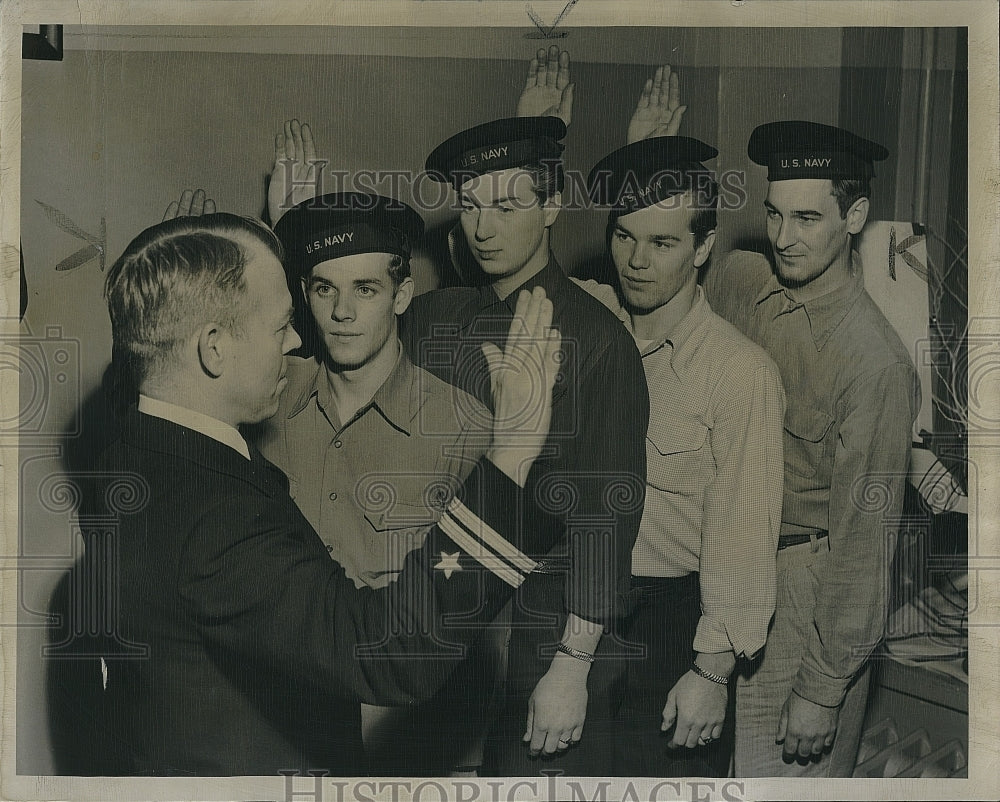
(317, 787)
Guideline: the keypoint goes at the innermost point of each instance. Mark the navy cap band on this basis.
(498, 145)
(343, 224)
(793, 149)
(817, 164)
(657, 188)
(346, 240)
(652, 170)
(499, 156)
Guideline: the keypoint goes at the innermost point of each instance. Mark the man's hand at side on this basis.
(806, 728)
(696, 707)
(547, 90)
(659, 111)
(557, 708)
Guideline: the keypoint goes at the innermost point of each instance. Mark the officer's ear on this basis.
(857, 216)
(702, 251)
(212, 344)
(552, 207)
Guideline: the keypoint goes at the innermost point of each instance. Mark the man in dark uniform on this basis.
(852, 396)
(589, 486)
(239, 646)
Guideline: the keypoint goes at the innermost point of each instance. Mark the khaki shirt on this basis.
(853, 395)
(387, 472)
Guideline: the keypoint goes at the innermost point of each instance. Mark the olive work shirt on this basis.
(388, 472)
(590, 480)
(852, 396)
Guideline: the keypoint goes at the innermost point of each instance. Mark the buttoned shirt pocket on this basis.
(807, 431)
(395, 532)
(675, 456)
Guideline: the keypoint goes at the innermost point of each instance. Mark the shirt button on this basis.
(333, 497)
(337, 443)
(329, 549)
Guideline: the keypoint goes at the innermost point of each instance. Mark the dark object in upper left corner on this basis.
(47, 44)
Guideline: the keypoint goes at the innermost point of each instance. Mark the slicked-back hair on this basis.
(847, 191)
(399, 269)
(548, 178)
(174, 278)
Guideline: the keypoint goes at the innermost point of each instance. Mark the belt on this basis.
(784, 541)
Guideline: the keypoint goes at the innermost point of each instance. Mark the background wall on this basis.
(131, 117)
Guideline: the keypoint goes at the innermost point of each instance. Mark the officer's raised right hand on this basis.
(522, 378)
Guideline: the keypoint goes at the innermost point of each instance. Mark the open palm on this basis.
(659, 110)
(547, 90)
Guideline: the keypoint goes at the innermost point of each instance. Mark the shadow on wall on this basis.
(73, 669)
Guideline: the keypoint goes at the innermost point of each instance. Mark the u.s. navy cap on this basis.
(647, 172)
(793, 149)
(497, 145)
(346, 223)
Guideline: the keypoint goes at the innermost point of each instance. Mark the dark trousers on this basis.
(662, 620)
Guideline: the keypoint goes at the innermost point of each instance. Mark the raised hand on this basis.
(547, 90)
(192, 203)
(522, 378)
(659, 110)
(296, 170)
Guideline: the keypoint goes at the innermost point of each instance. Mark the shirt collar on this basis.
(680, 358)
(825, 312)
(550, 278)
(188, 418)
(398, 400)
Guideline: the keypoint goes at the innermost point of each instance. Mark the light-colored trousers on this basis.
(760, 697)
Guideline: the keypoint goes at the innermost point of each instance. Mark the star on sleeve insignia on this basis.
(449, 564)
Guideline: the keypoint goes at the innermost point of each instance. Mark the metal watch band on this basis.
(716, 678)
(587, 657)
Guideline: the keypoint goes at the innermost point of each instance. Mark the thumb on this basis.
(494, 358)
(530, 725)
(669, 712)
(782, 725)
(279, 149)
(494, 361)
(566, 103)
(675, 121)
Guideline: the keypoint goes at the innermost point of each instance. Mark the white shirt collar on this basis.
(188, 418)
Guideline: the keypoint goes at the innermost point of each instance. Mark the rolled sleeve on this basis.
(742, 516)
(866, 498)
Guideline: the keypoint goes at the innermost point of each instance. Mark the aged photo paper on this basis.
(110, 110)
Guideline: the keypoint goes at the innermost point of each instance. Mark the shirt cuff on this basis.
(819, 688)
(713, 636)
(710, 637)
